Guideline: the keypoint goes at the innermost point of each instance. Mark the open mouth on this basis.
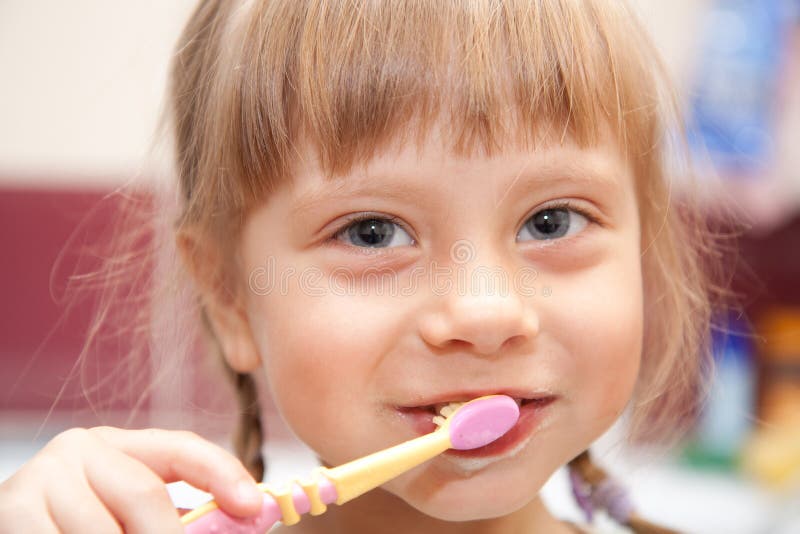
(421, 419)
(445, 408)
(437, 408)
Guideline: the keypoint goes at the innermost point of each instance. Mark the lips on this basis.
(434, 404)
(436, 408)
(532, 405)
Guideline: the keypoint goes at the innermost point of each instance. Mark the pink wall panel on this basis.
(39, 341)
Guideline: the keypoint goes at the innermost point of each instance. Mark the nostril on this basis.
(510, 342)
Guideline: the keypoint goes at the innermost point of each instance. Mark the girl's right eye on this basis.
(374, 232)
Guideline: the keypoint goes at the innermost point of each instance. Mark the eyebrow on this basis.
(605, 177)
(374, 186)
(402, 191)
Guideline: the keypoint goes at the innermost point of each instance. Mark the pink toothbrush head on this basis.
(481, 421)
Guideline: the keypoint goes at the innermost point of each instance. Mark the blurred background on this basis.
(81, 90)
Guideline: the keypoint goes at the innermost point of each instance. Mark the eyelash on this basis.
(367, 217)
(559, 204)
(567, 205)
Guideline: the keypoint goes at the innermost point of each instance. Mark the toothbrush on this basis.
(461, 426)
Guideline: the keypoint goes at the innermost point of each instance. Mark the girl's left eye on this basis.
(554, 222)
(374, 232)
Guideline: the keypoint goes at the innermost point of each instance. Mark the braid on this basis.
(593, 487)
(249, 434)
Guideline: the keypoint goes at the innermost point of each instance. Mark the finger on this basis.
(34, 524)
(76, 508)
(19, 513)
(177, 455)
(134, 494)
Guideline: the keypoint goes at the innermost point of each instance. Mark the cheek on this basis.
(319, 355)
(601, 322)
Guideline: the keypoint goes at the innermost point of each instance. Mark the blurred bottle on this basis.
(736, 83)
(727, 417)
(773, 452)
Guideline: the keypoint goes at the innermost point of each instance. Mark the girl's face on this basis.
(516, 274)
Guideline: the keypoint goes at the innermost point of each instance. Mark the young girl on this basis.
(349, 172)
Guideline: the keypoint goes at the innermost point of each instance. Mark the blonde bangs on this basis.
(350, 77)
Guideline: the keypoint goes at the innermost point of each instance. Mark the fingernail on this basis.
(248, 493)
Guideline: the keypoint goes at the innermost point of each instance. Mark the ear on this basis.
(222, 299)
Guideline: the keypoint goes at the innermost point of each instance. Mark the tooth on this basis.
(447, 411)
(438, 420)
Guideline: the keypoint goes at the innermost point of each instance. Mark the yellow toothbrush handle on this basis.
(359, 476)
(477, 423)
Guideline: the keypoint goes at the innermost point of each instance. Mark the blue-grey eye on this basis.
(375, 232)
(552, 223)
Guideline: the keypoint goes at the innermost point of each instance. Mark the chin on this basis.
(473, 508)
(469, 499)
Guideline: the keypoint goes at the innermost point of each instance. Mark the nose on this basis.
(487, 318)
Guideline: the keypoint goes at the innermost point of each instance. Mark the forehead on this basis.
(409, 170)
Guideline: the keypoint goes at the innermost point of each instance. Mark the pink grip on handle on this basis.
(218, 522)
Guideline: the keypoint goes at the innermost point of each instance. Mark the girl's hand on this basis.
(107, 479)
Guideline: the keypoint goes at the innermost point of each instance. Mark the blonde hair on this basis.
(250, 80)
